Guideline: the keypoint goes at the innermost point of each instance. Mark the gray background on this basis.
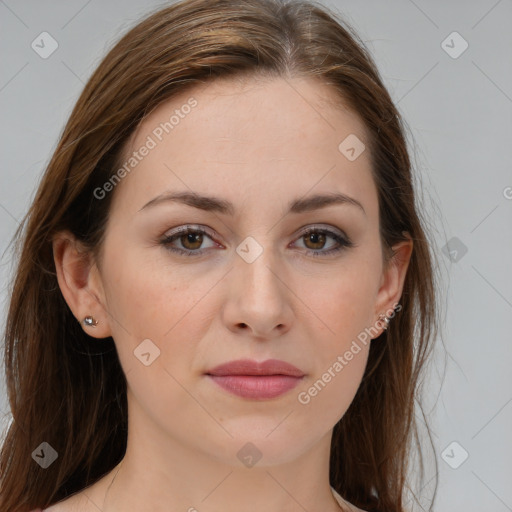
(459, 111)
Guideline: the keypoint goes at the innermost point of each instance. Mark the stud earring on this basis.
(386, 319)
(89, 321)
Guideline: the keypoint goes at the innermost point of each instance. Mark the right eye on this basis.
(190, 239)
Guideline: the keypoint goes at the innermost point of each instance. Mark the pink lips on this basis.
(260, 381)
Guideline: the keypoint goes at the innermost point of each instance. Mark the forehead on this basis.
(242, 134)
(274, 109)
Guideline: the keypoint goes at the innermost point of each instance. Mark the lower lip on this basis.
(261, 387)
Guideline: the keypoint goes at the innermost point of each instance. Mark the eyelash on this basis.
(344, 243)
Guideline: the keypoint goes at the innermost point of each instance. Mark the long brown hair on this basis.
(68, 389)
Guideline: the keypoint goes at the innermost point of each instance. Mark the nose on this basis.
(258, 298)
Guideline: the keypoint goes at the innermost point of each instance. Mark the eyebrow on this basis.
(213, 204)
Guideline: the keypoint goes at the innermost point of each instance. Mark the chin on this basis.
(264, 443)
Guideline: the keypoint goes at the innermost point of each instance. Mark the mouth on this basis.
(258, 381)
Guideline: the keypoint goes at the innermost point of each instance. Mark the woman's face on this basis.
(252, 156)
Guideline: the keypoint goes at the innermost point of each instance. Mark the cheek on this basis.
(154, 302)
(338, 306)
(343, 308)
(150, 301)
(340, 364)
(336, 383)
(150, 298)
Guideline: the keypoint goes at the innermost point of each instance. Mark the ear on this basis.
(393, 278)
(80, 283)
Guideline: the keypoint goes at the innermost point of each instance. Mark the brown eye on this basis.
(317, 240)
(188, 241)
(317, 243)
(191, 241)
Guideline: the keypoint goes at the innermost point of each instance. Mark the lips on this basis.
(257, 380)
(250, 367)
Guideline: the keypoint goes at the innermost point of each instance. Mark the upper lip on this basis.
(251, 367)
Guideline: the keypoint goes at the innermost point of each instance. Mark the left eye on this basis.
(317, 237)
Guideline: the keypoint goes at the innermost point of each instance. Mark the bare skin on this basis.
(258, 144)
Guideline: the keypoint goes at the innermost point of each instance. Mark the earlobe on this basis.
(75, 270)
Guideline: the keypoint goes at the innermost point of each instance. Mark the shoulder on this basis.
(77, 502)
(344, 504)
